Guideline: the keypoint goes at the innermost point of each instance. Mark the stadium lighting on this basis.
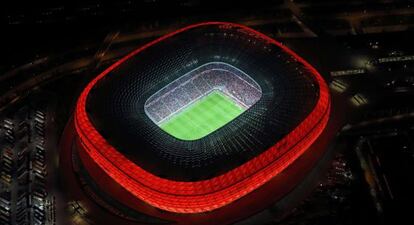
(202, 101)
(106, 163)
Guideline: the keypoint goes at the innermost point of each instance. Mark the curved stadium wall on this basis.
(119, 141)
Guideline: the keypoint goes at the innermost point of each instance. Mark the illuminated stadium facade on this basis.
(198, 125)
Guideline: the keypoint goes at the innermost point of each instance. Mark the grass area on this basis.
(202, 117)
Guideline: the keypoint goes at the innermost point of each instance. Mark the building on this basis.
(148, 142)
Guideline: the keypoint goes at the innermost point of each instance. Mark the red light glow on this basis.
(205, 195)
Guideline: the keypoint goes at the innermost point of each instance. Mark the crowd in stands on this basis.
(200, 82)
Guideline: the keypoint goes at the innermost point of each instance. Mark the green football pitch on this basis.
(202, 117)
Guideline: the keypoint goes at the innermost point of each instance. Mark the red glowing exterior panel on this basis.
(205, 195)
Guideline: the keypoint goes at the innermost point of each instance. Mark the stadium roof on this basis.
(223, 166)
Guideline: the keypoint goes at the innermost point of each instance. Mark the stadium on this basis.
(125, 113)
(196, 127)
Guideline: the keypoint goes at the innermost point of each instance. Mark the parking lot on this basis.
(24, 196)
